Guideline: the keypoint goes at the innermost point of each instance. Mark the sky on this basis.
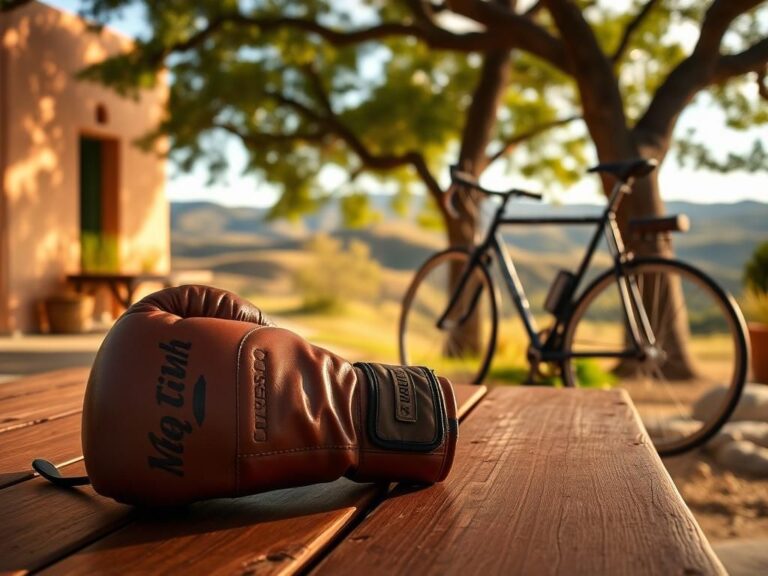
(676, 183)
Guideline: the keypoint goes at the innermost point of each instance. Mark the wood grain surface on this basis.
(43, 397)
(546, 481)
(36, 383)
(41, 522)
(77, 531)
(272, 533)
(55, 440)
(467, 397)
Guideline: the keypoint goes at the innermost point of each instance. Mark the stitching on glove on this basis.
(237, 408)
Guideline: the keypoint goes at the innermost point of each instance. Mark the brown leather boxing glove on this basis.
(195, 394)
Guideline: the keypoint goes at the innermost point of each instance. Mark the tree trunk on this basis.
(464, 340)
(645, 201)
(477, 135)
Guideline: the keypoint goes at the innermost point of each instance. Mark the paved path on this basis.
(29, 354)
(743, 557)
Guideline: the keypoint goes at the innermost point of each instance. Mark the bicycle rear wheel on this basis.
(687, 383)
(463, 350)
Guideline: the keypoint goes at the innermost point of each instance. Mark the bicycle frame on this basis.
(549, 350)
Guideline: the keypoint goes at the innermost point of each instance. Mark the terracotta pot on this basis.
(758, 338)
(69, 313)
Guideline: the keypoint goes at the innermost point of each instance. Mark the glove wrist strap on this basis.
(406, 410)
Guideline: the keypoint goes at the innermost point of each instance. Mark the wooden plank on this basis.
(545, 481)
(467, 397)
(41, 522)
(272, 533)
(56, 440)
(40, 398)
(45, 381)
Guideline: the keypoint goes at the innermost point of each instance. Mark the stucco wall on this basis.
(47, 110)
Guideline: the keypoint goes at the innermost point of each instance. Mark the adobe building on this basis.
(76, 195)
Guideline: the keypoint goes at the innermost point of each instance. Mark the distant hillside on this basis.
(244, 249)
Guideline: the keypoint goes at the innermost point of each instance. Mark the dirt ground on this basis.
(726, 505)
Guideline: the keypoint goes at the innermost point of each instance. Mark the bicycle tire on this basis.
(469, 368)
(703, 420)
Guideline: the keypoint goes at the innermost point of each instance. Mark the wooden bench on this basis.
(545, 481)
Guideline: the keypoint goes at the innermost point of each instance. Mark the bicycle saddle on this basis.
(636, 168)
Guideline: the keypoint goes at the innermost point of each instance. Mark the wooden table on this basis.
(545, 481)
(121, 286)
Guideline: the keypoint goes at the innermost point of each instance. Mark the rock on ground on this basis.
(744, 457)
(753, 404)
(755, 432)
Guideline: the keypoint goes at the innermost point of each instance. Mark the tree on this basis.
(394, 88)
(391, 88)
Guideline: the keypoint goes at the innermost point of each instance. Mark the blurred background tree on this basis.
(337, 276)
(395, 90)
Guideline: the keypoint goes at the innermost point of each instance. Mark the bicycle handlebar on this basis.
(461, 178)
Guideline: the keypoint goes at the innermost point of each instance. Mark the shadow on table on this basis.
(13, 362)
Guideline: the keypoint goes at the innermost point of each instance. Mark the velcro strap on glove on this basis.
(406, 409)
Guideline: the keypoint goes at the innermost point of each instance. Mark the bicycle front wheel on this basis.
(463, 348)
(687, 383)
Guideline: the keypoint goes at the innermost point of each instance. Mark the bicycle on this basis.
(658, 327)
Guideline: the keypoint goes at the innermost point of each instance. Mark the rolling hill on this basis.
(249, 254)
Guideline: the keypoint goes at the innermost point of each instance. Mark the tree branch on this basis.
(633, 25)
(319, 89)
(426, 31)
(509, 30)
(334, 126)
(518, 30)
(601, 99)
(703, 67)
(386, 161)
(534, 9)
(518, 139)
(753, 59)
(261, 138)
(432, 35)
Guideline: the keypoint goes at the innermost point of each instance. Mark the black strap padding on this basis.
(49, 471)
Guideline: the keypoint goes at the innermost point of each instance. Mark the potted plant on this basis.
(756, 310)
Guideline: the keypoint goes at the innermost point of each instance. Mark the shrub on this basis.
(756, 270)
(755, 302)
(100, 253)
(336, 276)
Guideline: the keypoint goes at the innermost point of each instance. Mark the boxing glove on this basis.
(196, 394)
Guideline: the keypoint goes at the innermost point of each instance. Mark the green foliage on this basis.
(300, 101)
(335, 276)
(356, 211)
(99, 252)
(590, 375)
(698, 154)
(755, 306)
(754, 302)
(429, 217)
(756, 270)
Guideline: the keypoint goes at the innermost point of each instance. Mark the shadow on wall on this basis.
(46, 112)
